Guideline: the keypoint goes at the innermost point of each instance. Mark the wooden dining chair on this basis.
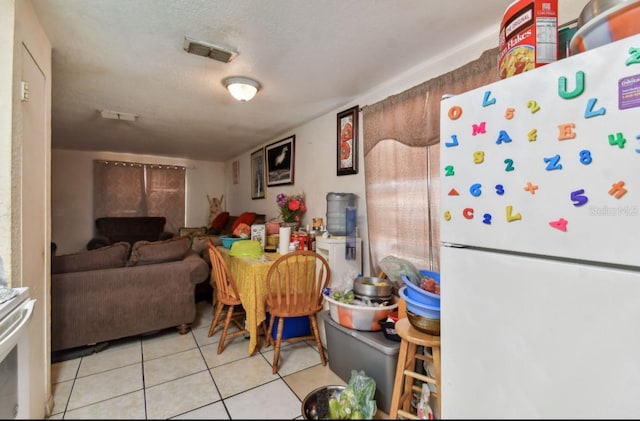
(226, 296)
(295, 283)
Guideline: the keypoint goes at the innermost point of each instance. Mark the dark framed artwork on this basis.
(347, 155)
(280, 157)
(257, 174)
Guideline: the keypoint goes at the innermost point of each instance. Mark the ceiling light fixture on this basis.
(241, 88)
(117, 115)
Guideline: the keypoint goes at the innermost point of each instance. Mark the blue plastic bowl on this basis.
(227, 241)
(420, 309)
(420, 295)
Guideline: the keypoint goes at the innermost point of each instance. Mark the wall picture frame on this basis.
(347, 141)
(280, 157)
(257, 174)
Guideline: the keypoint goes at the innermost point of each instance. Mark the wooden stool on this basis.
(405, 374)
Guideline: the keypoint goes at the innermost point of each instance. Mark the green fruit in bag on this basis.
(357, 415)
(334, 409)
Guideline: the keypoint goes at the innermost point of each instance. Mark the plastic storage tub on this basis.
(370, 352)
(359, 317)
(293, 326)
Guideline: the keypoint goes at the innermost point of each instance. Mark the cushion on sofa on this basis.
(190, 232)
(113, 256)
(151, 252)
(200, 243)
(244, 218)
(219, 222)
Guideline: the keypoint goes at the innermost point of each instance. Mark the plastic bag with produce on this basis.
(356, 401)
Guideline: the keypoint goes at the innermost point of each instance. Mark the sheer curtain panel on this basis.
(402, 161)
(165, 194)
(118, 189)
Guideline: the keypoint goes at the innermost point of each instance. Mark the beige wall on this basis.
(20, 29)
(72, 187)
(7, 23)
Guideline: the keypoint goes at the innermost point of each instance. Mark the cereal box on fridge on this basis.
(528, 36)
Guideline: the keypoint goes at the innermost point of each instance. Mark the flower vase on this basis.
(294, 225)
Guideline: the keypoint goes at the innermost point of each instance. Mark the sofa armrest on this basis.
(199, 268)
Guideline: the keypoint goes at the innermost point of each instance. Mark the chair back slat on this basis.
(226, 288)
(295, 282)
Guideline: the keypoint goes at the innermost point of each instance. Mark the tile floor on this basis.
(173, 376)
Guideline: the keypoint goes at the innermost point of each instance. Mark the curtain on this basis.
(402, 160)
(118, 189)
(131, 189)
(165, 194)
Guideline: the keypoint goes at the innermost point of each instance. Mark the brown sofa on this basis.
(200, 240)
(113, 229)
(111, 293)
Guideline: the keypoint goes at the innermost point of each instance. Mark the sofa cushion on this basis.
(190, 232)
(113, 256)
(151, 252)
(244, 218)
(219, 222)
(200, 243)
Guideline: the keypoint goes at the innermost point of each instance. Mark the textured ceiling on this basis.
(310, 57)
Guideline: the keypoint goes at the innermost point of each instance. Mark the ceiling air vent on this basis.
(204, 49)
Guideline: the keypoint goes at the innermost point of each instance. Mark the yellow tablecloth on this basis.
(250, 274)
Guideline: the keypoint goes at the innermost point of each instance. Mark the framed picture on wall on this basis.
(347, 136)
(257, 174)
(280, 158)
(236, 171)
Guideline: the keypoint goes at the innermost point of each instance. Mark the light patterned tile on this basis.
(242, 375)
(202, 336)
(65, 370)
(295, 357)
(115, 356)
(305, 381)
(236, 349)
(102, 386)
(126, 407)
(215, 411)
(273, 400)
(180, 396)
(173, 366)
(61, 393)
(166, 343)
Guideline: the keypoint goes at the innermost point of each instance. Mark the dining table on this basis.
(250, 274)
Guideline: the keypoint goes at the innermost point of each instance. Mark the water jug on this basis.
(337, 205)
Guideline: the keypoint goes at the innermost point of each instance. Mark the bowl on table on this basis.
(228, 240)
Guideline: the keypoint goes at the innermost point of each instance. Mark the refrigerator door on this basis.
(546, 162)
(529, 338)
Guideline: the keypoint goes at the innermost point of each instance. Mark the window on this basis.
(132, 189)
(402, 165)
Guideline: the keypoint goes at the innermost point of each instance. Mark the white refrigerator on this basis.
(540, 231)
